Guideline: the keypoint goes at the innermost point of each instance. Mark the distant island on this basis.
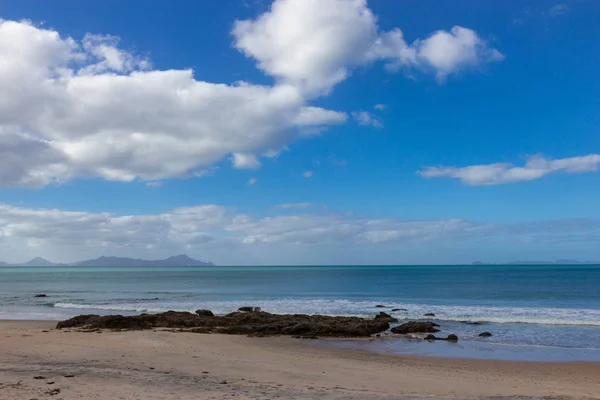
(557, 262)
(181, 260)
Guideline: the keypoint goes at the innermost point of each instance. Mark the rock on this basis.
(41, 295)
(415, 327)
(249, 309)
(449, 338)
(70, 376)
(452, 338)
(53, 392)
(429, 315)
(399, 309)
(310, 337)
(205, 313)
(379, 306)
(485, 334)
(472, 323)
(385, 317)
(237, 323)
(39, 377)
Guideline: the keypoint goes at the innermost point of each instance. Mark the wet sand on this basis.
(174, 365)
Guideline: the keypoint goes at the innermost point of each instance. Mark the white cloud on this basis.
(154, 183)
(314, 44)
(380, 107)
(89, 109)
(559, 9)
(294, 205)
(308, 174)
(366, 119)
(252, 181)
(500, 173)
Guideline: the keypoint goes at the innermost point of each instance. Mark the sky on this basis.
(300, 131)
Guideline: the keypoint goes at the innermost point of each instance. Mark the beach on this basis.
(161, 364)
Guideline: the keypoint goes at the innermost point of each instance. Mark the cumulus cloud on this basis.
(88, 108)
(77, 109)
(308, 174)
(559, 9)
(379, 107)
(252, 181)
(314, 44)
(500, 173)
(365, 118)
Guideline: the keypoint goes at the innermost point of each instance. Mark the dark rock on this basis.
(472, 323)
(378, 335)
(309, 337)
(385, 317)
(205, 313)
(449, 338)
(69, 376)
(429, 315)
(452, 338)
(39, 377)
(53, 392)
(249, 309)
(237, 323)
(380, 306)
(415, 327)
(485, 334)
(41, 295)
(399, 309)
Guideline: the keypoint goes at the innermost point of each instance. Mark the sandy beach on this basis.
(39, 362)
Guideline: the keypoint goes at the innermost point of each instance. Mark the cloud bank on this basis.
(223, 231)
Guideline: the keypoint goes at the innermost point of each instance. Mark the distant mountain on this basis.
(36, 262)
(181, 260)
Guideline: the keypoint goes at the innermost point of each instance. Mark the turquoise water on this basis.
(557, 306)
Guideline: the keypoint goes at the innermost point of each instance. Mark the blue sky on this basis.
(379, 132)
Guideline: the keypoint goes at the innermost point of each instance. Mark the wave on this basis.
(517, 315)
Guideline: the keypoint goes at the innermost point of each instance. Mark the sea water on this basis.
(538, 306)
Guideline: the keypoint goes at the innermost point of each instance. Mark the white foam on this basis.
(525, 315)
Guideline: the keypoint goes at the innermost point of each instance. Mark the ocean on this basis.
(537, 306)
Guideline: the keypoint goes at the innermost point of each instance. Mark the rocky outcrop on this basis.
(385, 317)
(380, 306)
(485, 334)
(205, 313)
(429, 315)
(415, 327)
(41, 295)
(399, 309)
(254, 323)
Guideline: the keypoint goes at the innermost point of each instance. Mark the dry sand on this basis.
(169, 365)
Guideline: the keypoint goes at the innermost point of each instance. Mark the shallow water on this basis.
(556, 306)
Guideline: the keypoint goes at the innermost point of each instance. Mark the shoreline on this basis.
(165, 364)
